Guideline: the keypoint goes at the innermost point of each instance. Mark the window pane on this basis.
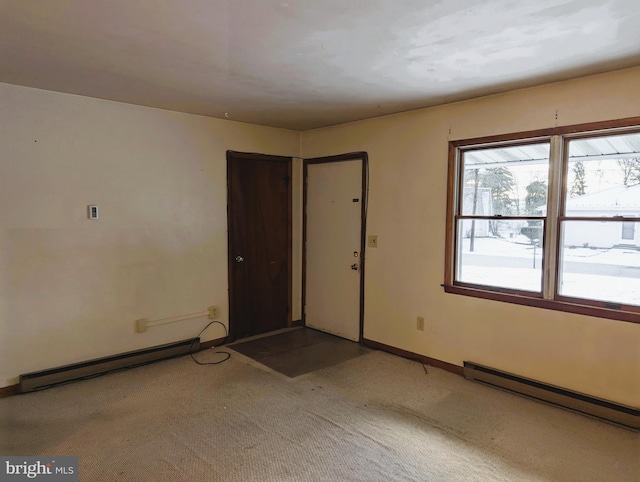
(507, 181)
(629, 231)
(603, 176)
(598, 261)
(511, 260)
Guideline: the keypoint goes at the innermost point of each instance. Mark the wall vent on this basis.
(626, 416)
(99, 366)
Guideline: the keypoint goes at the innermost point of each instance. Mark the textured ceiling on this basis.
(302, 64)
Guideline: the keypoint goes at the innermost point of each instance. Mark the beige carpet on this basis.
(373, 418)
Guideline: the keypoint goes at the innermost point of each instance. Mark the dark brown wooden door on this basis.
(259, 216)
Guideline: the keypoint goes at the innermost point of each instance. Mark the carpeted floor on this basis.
(375, 417)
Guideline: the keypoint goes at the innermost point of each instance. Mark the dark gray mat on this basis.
(296, 352)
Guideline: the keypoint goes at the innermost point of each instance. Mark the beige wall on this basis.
(408, 164)
(70, 288)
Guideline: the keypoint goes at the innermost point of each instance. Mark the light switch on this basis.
(372, 241)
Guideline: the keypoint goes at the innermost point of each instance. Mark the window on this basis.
(548, 219)
(628, 230)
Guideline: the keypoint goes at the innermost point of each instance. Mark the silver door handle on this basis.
(239, 259)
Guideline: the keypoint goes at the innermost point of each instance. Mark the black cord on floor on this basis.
(226, 335)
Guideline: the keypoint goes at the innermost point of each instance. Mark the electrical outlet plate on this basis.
(93, 212)
(420, 323)
(213, 312)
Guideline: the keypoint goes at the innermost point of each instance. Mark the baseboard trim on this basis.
(10, 390)
(297, 323)
(210, 343)
(450, 367)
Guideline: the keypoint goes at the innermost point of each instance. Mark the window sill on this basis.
(599, 312)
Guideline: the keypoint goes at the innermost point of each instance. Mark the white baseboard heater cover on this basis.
(54, 376)
(604, 409)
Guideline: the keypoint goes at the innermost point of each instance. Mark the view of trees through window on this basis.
(505, 183)
(502, 217)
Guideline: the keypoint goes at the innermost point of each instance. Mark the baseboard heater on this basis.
(596, 407)
(99, 366)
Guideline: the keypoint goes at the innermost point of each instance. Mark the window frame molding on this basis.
(548, 298)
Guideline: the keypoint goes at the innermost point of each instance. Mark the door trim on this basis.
(250, 156)
(351, 156)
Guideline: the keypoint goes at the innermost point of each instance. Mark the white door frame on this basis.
(352, 156)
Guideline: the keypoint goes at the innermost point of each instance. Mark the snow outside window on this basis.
(552, 217)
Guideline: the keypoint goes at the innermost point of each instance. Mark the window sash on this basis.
(495, 261)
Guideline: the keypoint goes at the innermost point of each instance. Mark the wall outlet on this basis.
(420, 323)
(213, 312)
(93, 212)
(372, 241)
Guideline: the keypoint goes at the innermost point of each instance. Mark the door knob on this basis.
(354, 266)
(239, 259)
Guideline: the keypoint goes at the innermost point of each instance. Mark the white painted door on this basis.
(333, 223)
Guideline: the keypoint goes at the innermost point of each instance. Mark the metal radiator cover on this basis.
(604, 409)
(54, 376)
